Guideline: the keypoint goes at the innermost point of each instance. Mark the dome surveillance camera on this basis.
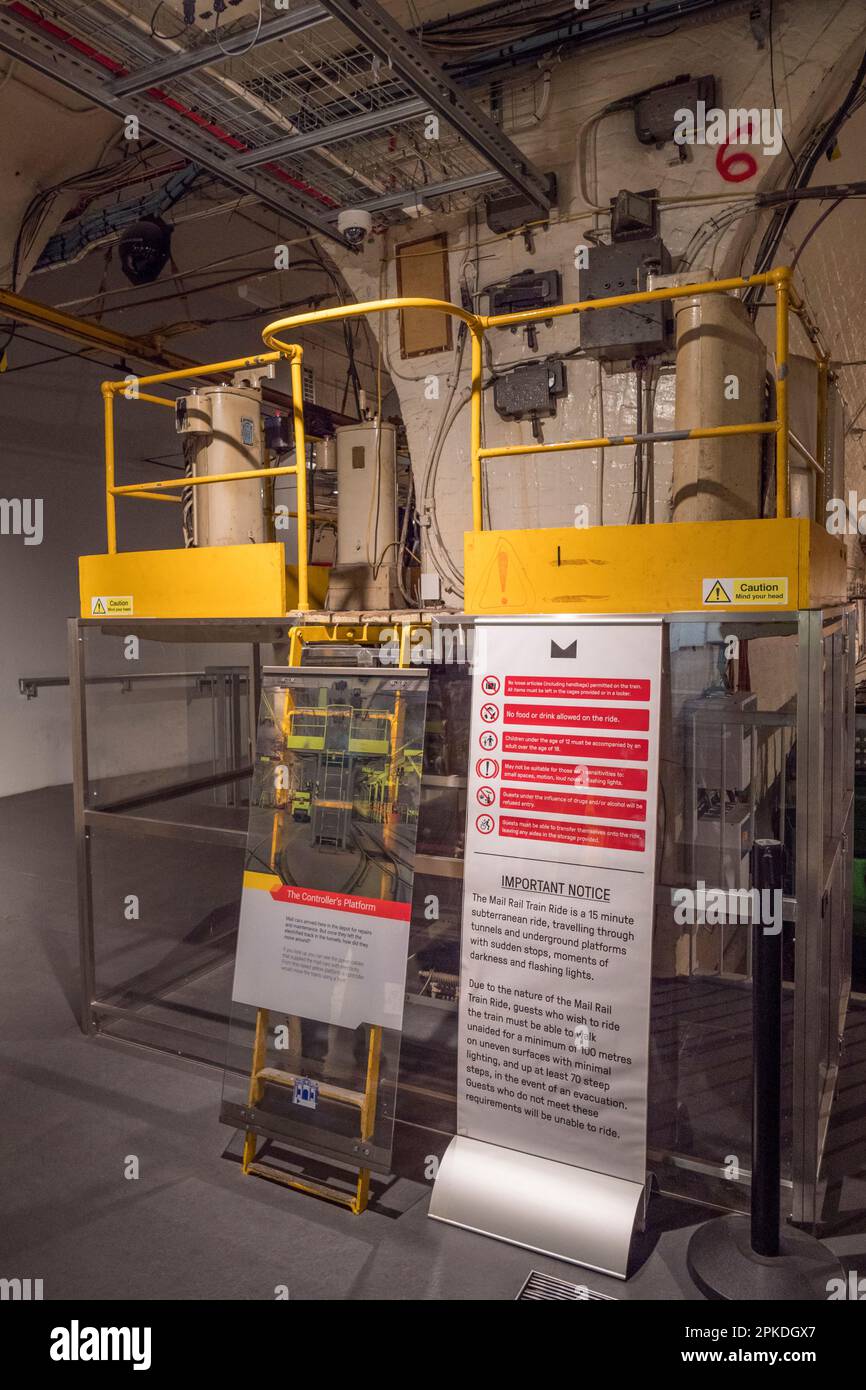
(144, 250)
(354, 225)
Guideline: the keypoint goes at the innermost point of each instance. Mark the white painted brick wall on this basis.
(817, 48)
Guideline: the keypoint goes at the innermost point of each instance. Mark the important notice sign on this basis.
(558, 891)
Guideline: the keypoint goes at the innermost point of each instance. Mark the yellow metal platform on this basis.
(716, 566)
(226, 581)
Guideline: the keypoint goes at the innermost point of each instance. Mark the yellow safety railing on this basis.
(779, 280)
(478, 324)
(130, 389)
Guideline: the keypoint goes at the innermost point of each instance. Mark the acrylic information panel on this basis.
(324, 926)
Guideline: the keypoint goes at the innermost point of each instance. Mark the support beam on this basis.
(411, 61)
(394, 114)
(88, 334)
(318, 420)
(411, 197)
(181, 63)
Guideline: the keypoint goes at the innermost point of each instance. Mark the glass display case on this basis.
(162, 762)
(757, 742)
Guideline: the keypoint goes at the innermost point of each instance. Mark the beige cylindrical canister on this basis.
(721, 365)
(230, 513)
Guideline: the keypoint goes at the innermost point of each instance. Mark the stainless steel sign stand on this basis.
(559, 887)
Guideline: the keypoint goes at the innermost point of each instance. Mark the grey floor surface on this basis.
(191, 1226)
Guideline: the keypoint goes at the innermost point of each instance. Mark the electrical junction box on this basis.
(508, 211)
(279, 433)
(530, 389)
(634, 215)
(655, 112)
(636, 330)
(529, 289)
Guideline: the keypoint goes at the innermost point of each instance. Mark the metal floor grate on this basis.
(541, 1288)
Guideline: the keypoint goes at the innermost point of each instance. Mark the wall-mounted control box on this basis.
(635, 330)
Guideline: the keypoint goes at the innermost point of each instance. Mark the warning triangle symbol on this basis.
(718, 594)
(99, 606)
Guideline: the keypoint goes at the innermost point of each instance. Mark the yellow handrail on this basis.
(477, 324)
(130, 389)
(473, 322)
(353, 311)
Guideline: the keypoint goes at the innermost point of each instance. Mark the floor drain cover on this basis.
(540, 1287)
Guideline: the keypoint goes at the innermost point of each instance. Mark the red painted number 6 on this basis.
(736, 165)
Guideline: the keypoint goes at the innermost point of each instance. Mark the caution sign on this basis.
(755, 592)
(110, 605)
(717, 591)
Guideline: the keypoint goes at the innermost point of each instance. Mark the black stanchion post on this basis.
(767, 1045)
(737, 1257)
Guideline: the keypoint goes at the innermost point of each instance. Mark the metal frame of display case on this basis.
(127, 815)
(823, 850)
(824, 865)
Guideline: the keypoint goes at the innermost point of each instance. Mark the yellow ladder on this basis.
(262, 1075)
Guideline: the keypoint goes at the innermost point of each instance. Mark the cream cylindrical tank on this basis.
(229, 513)
(366, 493)
(326, 454)
(721, 366)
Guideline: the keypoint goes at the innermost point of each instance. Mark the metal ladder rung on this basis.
(288, 1078)
(315, 1189)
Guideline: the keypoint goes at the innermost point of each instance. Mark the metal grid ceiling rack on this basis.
(320, 108)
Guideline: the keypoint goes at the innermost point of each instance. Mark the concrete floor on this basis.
(191, 1226)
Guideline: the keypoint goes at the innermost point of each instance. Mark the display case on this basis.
(162, 719)
(756, 742)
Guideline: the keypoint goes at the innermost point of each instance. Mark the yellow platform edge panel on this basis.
(227, 581)
(771, 565)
